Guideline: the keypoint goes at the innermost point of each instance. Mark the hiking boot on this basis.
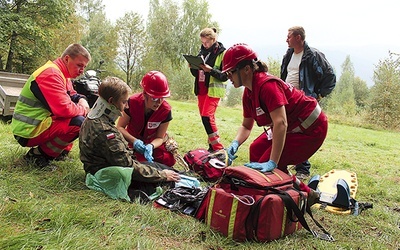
(313, 197)
(36, 158)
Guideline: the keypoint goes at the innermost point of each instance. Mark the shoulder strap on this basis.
(291, 206)
(291, 209)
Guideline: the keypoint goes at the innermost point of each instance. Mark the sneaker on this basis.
(313, 197)
(37, 159)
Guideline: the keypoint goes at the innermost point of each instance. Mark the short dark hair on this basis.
(75, 49)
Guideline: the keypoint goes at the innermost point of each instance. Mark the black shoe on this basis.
(39, 160)
(63, 156)
(302, 176)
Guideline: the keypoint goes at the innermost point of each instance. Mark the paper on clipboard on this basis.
(194, 61)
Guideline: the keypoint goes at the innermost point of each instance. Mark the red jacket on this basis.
(58, 96)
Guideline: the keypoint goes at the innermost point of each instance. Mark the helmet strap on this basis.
(240, 78)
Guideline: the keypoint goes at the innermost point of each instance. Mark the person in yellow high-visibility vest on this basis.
(210, 84)
(49, 112)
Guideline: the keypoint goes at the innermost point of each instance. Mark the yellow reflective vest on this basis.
(217, 88)
(30, 117)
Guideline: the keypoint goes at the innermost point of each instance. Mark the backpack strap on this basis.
(291, 206)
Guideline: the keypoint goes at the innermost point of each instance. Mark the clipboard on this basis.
(194, 61)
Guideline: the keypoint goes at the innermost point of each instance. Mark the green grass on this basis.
(54, 210)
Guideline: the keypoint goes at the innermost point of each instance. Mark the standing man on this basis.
(307, 69)
(49, 112)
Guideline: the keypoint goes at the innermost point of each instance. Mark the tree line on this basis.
(33, 32)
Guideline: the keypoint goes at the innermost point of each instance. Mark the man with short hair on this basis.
(307, 69)
(49, 112)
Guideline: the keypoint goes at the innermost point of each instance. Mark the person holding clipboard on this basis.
(210, 83)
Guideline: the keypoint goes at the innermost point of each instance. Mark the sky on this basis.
(364, 30)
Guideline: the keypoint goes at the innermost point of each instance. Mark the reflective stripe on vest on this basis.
(309, 121)
(30, 117)
(217, 88)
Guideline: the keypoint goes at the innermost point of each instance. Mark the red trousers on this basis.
(207, 107)
(58, 137)
(160, 155)
(298, 146)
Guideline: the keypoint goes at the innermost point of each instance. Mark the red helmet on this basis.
(235, 54)
(155, 84)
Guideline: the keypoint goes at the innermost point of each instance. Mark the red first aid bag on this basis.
(244, 180)
(227, 213)
(205, 164)
(278, 208)
(272, 216)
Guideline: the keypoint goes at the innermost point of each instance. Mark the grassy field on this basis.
(52, 209)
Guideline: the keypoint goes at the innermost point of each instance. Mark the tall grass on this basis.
(52, 209)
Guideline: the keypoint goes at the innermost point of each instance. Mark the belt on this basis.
(309, 120)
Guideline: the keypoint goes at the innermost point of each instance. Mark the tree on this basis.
(361, 93)
(29, 27)
(172, 33)
(342, 99)
(274, 67)
(131, 39)
(195, 18)
(384, 108)
(99, 34)
(234, 96)
(162, 44)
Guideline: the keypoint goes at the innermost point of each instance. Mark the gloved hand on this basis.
(139, 146)
(231, 151)
(148, 152)
(262, 166)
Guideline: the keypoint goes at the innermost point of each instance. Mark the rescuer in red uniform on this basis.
(144, 124)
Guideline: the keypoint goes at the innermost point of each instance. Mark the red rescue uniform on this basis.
(145, 127)
(307, 124)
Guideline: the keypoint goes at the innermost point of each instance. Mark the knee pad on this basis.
(206, 124)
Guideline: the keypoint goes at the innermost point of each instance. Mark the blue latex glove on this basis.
(231, 151)
(262, 166)
(139, 146)
(148, 152)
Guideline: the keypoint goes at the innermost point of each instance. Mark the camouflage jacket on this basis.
(102, 145)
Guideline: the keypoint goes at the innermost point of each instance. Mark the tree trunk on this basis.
(9, 63)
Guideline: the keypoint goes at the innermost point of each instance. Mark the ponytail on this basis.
(260, 66)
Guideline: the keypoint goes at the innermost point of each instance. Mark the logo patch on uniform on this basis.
(110, 136)
(259, 111)
(153, 125)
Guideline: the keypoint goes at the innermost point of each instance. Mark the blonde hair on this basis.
(113, 87)
(74, 50)
(209, 33)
